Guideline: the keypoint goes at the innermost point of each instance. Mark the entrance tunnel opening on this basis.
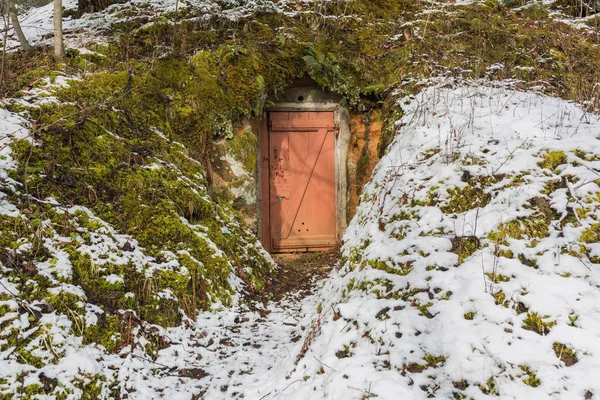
(303, 141)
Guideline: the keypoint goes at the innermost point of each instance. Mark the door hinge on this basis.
(336, 129)
(270, 124)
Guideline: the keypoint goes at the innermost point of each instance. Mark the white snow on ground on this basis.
(12, 128)
(404, 318)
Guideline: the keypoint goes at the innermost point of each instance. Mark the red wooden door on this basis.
(301, 181)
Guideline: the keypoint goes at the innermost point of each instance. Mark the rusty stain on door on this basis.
(301, 189)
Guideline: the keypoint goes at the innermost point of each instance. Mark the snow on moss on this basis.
(81, 296)
(475, 299)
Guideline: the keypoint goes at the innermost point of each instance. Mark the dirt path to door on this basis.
(298, 272)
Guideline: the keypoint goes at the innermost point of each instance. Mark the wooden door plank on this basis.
(291, 207)
(301, 121)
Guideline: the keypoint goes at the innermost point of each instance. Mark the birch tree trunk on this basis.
(12, 12)
(59, 47)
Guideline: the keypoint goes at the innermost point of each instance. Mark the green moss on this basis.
(525, 228)
(423, 308)
(528, 261)
(497, 277)
(473, 159)
(90, 277)
(506, 253)
(465, 199)
(66, 303)
(552, 160)
(397, 269)
(244, 146)
(500, 298)
(552, 185)
(161, 311)
(403, 216)
(434, 361)
(32, 391)
(490, 387)
(530, 378)
(535, 323)
(107, 332)
(147, 203)
(94, 387)
(565, 353)
(464, 247)
(469, 315)
(591, 234)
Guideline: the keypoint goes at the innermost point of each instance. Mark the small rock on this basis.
(127, 246)
(195, 373)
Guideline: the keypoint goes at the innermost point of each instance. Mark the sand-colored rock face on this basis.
(362, 154)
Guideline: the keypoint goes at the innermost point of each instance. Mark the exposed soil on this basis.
(297, 274)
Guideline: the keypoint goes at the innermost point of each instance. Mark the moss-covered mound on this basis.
(108, 227)
(472, 266)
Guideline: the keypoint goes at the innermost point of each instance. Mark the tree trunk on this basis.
(5, 19)
(12, 12)
(59, 47)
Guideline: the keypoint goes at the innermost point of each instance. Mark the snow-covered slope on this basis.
(84, 305)
(472, 268)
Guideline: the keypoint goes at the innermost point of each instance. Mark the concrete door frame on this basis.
(300, 99)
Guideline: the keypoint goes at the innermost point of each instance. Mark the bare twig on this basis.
(322, 363)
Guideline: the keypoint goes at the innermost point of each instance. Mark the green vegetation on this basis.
(431, 361)
(552, 160)
(464, 246)
(524, 228)
(530, 378)
(490, 387)
(565, 354)
(125, 183)
(434, 361)
(465, 199)
(397, 269)
(535, 323)
(591, 234)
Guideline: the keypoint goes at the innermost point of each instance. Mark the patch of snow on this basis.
(114, 279)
